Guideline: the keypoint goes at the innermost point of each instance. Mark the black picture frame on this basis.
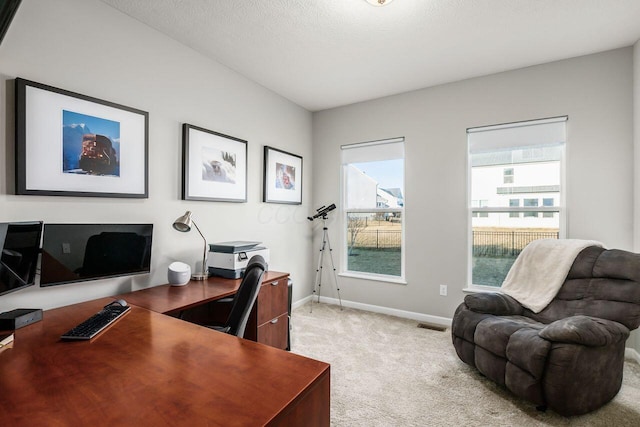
(58, 154)
(282, 178)
(214, 167)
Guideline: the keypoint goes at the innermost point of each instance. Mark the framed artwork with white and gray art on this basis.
(214, 166)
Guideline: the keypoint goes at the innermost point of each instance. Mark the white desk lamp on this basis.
(183, 224)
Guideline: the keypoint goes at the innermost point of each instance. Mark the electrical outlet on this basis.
(66, 248)
(443, 290)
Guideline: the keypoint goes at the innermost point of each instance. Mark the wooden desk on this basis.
(268, 323)
(149, 369)
(167, 299)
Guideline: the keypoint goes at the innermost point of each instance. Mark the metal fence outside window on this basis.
(485, 243)
(377, 239)
(506, 243)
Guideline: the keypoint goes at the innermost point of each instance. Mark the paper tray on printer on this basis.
(232, 247)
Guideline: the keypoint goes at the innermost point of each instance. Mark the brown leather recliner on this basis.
(570, 356)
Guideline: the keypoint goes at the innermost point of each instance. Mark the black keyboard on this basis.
(96, 323)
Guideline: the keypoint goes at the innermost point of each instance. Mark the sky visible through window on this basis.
(388, 173)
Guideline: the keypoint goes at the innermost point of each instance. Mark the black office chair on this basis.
(245, 298)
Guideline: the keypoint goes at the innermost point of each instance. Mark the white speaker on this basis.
(179, 273)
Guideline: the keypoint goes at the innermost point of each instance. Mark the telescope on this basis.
(322, 212)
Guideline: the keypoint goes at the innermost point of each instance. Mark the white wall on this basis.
(87, 47)
(487, 180)
(362, 189)
(594, 91)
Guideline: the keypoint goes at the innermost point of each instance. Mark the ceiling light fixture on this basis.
(378, 2)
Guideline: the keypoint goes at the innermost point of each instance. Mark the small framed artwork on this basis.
(214, 166)
(282, 177)
(68, 144)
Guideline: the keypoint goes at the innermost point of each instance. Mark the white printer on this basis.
(229, 259)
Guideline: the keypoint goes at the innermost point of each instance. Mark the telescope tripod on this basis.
(318, 281)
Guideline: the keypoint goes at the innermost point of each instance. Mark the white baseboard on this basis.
(301, 302)
(629, 353)
(441, 321)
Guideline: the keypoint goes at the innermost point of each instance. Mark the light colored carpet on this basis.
(385, 371)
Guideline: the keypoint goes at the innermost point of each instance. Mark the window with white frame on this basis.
(373, 201)
(479, 204)
(548, 202)
(508, 175)
(531, 203)
(514, 203)
(525, 209)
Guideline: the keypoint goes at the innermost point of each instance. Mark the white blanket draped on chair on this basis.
(540, 270)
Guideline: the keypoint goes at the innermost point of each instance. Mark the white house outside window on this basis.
(517, 169)
(373, 192)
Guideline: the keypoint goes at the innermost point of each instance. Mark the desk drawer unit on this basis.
(274, 332)
(272, 313)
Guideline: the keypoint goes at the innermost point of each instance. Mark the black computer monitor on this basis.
(80, 252)
(20, 243)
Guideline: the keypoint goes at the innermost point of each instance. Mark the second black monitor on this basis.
(80, 252)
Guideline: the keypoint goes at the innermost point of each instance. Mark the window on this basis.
(373, 191)
(548, 202)
(479, 204)
(530, 203)
(514, 203)
(508, 176)
(513, 215)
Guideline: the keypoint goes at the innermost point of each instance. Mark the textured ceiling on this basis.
(326, 53)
